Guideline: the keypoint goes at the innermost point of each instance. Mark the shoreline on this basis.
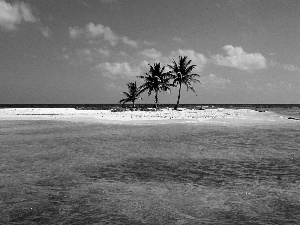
(150, 116)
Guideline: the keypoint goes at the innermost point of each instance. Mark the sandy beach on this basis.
(164, 115)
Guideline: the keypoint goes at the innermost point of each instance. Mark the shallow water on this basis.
(77, 173)
(289, 112)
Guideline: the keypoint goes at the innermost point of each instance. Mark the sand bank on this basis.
(166, 115)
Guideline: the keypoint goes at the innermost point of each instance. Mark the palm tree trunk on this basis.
(177, 104)
(156, 99)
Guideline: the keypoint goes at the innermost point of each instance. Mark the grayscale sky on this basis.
(85, 51)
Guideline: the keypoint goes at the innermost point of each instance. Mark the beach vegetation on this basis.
(181, 73)
(156, 80)
(132, 95)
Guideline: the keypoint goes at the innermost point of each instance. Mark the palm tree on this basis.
(132, 95)
(182, 74)
(156, 80)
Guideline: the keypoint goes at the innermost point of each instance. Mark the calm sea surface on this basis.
(78, 173)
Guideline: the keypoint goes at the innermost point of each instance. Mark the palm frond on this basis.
(189, 69)
(195, 80)
(126, 94)
(195, 75)
(189, 86)
(123, 101)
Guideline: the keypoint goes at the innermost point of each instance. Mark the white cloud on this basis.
(13, 14)
(92, 31)
(75, 32)
(103, 52)
(288, 67)
(26, 13)
(92, 55)
(144, 64)
(148, 43)
(291, 68)
(66, 56)
(46, 31)
(272, 86)
(122, 54)
(178, 40)
(99, 31)
(108, 1)
(151, 54)
(274, 64)
(237, 58)
(89, 56)
(213, 81)
(127, 41)
(85, 55)
(198, 59)
(83, 3)
(114, 70)
(273, 53)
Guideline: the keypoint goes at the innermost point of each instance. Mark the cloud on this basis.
(26, 13)
(198, 59)
(85, 55)
(103, 52)
(66, 56)
(46, 31)
(127, 41)
(178, 40)
(148, 43)
(122, 54)
(291, 68)
(151, 54)
(273, 53)
(75, 32)
(99, 31)
(237, 58)
(83, 3)
(108, 1)
(94, 31)
(213, 81)
(13, 14)
(114, 70)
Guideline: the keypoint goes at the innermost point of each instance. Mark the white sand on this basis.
(231, 116)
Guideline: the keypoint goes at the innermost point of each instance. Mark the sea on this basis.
(55, 172)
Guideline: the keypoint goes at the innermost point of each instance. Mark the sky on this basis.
(86, 51)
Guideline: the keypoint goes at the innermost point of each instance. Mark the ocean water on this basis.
(78, 173)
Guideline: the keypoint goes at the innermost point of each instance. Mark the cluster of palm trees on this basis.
(157, 80)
